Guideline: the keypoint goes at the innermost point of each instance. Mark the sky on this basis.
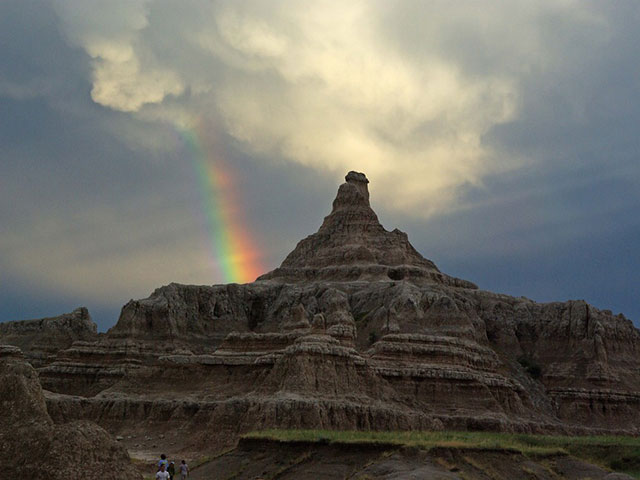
(144, 142)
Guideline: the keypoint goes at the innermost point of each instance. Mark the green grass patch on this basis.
(619, 453)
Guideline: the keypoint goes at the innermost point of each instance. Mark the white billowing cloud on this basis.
(122, 83)
(109, 33)
(347, 101)
(334, 85)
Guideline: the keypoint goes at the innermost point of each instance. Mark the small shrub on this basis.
(373, 337)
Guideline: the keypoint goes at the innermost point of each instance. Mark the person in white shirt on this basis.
(162, 473)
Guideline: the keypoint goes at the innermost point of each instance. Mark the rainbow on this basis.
(230, 241)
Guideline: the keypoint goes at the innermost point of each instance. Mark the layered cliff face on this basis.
(355, 330)
(32, 446)
(42, 338)
(586, 359)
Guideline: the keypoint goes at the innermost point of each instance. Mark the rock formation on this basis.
(352, 245)
(355, 330)
(41, 339)
(33, 447)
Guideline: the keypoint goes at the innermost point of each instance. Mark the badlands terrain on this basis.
(355, 330)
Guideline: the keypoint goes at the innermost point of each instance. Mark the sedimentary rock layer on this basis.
(41, 339)
(33, 447)
(355, 330)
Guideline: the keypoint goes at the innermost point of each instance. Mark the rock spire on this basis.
(351, 244)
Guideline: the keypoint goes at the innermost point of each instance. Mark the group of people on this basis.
(167, 469)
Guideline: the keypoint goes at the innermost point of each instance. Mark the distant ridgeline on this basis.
(355, 330)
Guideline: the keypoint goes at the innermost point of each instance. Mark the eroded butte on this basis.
(355, 330)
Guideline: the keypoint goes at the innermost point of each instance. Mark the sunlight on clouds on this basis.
(124, 85)
(349, 102)
(330, 85)
(251, 37)
(109, 33)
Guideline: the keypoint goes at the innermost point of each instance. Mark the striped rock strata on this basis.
(355, 330)
(33, 447)
(41, 339)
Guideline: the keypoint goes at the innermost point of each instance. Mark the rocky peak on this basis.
(354, 192)
(351, 244)
(351, 221)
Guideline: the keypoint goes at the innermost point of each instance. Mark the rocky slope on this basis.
(356, 330)
(32, 446)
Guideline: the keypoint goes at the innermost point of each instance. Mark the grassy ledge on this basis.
(618, 453)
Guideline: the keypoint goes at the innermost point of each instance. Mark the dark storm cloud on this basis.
(35, 59)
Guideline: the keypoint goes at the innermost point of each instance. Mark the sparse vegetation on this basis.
(620, 453)
(373, 337)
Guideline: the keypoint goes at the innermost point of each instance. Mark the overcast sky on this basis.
(502, 136)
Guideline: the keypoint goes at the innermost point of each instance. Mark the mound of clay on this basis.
(33, 447)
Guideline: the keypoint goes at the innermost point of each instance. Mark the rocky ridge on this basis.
(41, 339)
(355, 330)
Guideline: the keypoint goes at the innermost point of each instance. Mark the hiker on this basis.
(184, 470)
(171, 470)
(163, 462)
(162, 474)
